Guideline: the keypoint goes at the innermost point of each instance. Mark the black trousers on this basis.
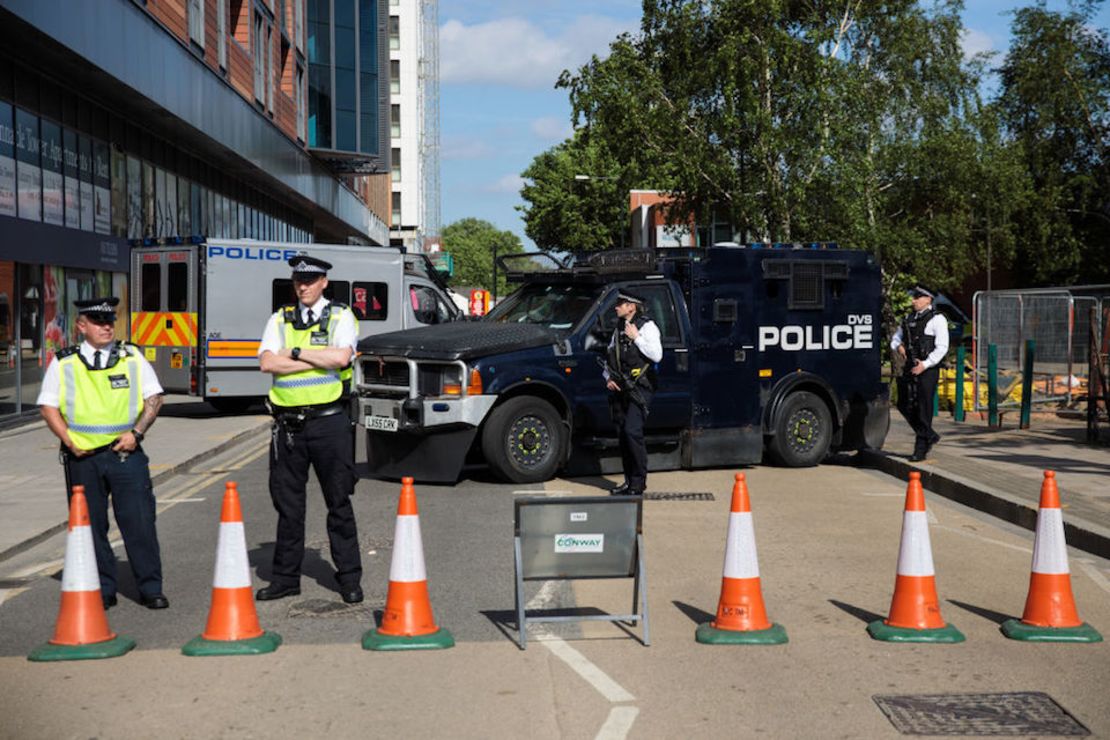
(629, 417)
(128, 484)
(915, 401)
(328, 445)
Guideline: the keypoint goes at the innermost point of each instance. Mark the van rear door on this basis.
(164, 299)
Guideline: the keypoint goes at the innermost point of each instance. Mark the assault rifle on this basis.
(627, 384)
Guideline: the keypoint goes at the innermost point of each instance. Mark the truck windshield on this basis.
(553, 306)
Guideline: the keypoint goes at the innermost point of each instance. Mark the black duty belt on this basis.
(94, 451)
(308, 412)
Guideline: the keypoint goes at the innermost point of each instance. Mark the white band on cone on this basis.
(408, 551)
(79, 572)
(1050, 554)
(915, 555)
(232, 568)
(740, 557)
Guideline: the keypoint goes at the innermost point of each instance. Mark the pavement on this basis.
(996, 471)
(32, 485)
(1000, 471)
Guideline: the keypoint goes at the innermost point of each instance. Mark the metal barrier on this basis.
(1057, 320)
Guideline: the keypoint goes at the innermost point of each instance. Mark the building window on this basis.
(269, 50)
(394, 32)
(196, 22)
(221, 31)
(395, 121)
(395, 156)
(319, 74)
(298, 91)
(298, 24)
(395, 77)
(259, 58)
(395, 216)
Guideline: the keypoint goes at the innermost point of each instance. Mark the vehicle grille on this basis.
(385, 373)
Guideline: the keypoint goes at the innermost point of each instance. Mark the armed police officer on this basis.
(308, 348)
(922, 341)
(100, 398)
(631, 378)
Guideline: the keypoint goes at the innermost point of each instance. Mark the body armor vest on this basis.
(918, 344)
(626, 357)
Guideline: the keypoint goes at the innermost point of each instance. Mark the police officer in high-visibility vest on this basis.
(631, 378)
(308, 348)
(100, 398)
(922, 341)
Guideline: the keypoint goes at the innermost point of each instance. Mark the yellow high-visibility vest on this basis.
(313, 387)
(100, 405)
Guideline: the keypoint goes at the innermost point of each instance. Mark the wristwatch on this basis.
(296, 353)
(139, 436)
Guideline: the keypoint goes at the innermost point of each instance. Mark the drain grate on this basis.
(665, 496)
(1016, 713)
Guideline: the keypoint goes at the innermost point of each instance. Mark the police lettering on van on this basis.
(856, 334)
(522, 390)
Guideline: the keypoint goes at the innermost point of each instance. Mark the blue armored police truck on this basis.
(767, 349)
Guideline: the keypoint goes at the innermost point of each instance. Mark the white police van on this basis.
(198, 310)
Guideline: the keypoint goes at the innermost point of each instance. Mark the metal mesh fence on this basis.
(1059, 323)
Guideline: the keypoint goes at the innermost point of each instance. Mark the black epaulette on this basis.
(338, 305)
(67, 351)
(127, 348)
(289, 313)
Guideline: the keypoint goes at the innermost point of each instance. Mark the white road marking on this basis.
(620, 719)
(1090, 569)
(618, 723)
(957, 530)
(548, 494)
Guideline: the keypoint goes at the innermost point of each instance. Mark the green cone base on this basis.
(707, 634)
(1015, 629)
(199, 647)
(93, 651)
(441, 639)
(882, 631)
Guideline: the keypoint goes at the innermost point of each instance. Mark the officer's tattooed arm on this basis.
(151, 407)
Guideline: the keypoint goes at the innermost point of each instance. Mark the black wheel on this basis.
(522, 440)
(803, 432)
(232, 404)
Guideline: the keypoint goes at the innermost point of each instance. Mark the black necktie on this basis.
(309, 316)
(96, 360)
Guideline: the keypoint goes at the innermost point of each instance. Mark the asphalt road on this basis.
(828, 542)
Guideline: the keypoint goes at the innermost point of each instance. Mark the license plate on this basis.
(381, 423)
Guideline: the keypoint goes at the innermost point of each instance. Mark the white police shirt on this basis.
(345, 335)
(648, 342)
(51, 379)
(936, 328)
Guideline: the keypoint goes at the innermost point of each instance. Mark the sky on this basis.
(499, 60)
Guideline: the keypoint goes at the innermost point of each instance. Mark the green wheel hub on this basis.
(529, 441)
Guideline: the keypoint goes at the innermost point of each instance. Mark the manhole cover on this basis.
(666, 496)
(323, 608)
(1017, 713)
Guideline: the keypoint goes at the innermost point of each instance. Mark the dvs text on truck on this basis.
(765, 349)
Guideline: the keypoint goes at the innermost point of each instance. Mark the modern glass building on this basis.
(347, 91)
(123, 121)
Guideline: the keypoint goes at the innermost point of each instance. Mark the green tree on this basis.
(568, 212)
(472, 242)
(803, 122)
(1055, 101)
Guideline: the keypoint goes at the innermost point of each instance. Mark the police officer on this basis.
(100, 398)
(308, 348)
(922, 341)
(630, 377)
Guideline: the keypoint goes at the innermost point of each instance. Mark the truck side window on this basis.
(426, 305)
(370, 301)
(660, 309)
(177, 287)
(282, 294)
(152, 287)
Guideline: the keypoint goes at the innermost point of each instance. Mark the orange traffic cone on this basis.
(915, 608)
(232, 627)
(741, 616)
(1050, 614)
(407, 623)
(82, 631)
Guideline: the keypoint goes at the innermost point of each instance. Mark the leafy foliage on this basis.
(473, 243)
